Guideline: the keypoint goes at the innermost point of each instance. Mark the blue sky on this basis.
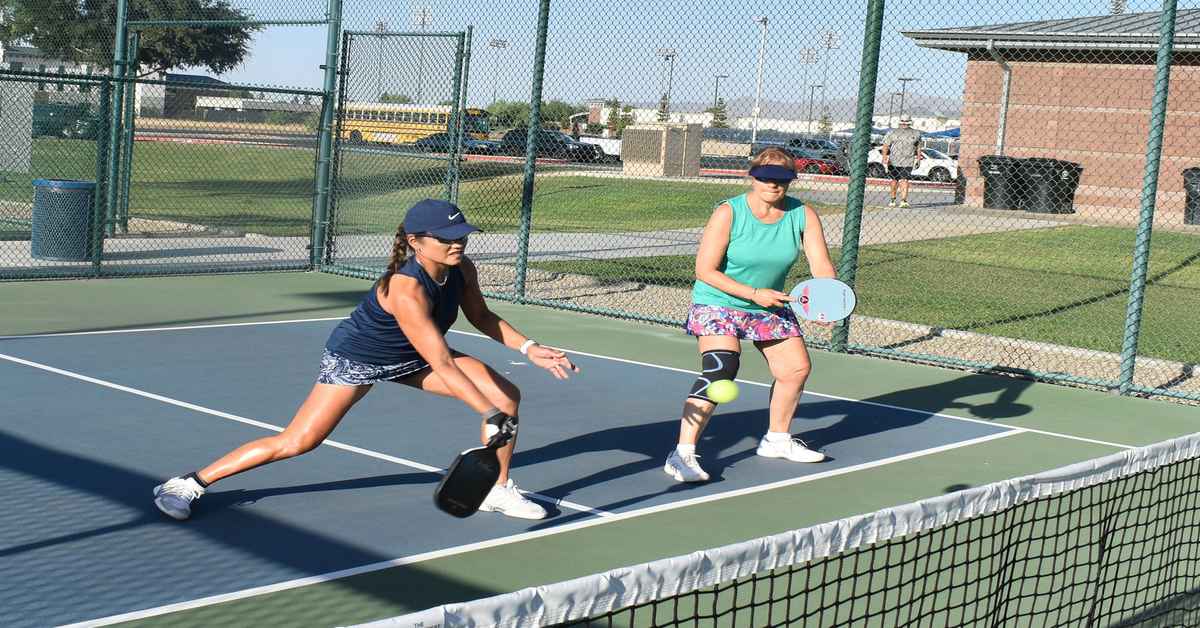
(608, 48)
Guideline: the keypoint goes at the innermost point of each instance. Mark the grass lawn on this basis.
(269, 190)
(1065, 285)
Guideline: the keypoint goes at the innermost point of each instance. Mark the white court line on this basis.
(525, 536)
(602, 357)
(275, 428)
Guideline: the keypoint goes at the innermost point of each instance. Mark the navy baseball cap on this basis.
(438, 218)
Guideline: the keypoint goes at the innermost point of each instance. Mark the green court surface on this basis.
(1050, 426)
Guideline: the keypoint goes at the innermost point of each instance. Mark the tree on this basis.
(396, 99)
(720, 116)
(82, 31)
(825, 125)
(558, 113)
(506, 114)
(664, 111)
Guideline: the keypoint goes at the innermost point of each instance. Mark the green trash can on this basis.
(62, 225)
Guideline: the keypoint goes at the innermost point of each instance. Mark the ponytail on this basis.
(399, 255)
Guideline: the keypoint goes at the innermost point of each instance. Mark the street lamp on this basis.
(668, 54)
(717, 88)
(381, 28)
(904, 90)
(421, 18)
(811, 90)
(498, 45)
(891, 107)
(762, 52)
(829, 41)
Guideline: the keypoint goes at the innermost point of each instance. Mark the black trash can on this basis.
(1002, 188)
(1050, 185)
(960, 188)
(1191, 184)
(62, 222)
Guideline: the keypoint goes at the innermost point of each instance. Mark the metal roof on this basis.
(1135, 31)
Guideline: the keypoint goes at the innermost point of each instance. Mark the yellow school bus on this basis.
(389, 123)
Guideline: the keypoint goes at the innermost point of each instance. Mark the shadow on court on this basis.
(89, 482)
(724, 441)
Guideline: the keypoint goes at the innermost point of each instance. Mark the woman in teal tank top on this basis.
(748, 246)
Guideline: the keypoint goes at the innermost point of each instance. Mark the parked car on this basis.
(440, 143)
(936, 166)
(821, 149)
(810, 164)
(552, 144)
(70, 121)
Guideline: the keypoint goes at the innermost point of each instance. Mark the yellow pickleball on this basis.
(722, 391)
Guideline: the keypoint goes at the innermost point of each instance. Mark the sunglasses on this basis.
(462, 240)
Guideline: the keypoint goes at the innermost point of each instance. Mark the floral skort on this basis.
(340, 370)
(715, 320)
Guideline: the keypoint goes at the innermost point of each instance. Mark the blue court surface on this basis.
(95, 421)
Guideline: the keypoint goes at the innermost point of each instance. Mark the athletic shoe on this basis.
(904, 204)
(175, 496)
(685, 467)
(792, 449)
(892, 203)
(507, 499)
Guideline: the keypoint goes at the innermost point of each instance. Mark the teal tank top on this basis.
(759, 254)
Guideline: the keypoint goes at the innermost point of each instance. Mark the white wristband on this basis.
(525, 346)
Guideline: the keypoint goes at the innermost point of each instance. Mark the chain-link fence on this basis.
(1012, 244)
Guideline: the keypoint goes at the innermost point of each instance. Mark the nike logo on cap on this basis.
(454, 215)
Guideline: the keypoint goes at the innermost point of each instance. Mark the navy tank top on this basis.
(372, 335)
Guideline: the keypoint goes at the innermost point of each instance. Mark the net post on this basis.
(848, 262)
(1141, 247)
(325, 136)
(535, 124)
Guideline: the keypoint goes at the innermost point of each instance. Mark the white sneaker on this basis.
(507, 499)
(904, 204)
(892, 203)
(175, 496)
(685, 467)
(792, 449)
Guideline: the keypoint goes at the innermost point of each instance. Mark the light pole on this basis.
(498, 45)
(421, 18)
(762, 53)
(811, 90)
(891, 107)
(717, 88)
(381, 28)
(829, 41)
(904, 90)
(668, 54)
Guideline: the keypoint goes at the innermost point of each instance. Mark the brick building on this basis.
(1080, 90)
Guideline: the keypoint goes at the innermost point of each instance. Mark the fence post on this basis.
(129, 88)
(1141, 247)
(116, 96)
(454, 123)
(100, 193)
(535, 124)
(321, 198)
(852, 225)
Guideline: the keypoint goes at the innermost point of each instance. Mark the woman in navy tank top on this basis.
(398, 334)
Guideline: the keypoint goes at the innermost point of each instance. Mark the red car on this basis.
(812, 165)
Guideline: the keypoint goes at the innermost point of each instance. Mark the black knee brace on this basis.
(715, 365)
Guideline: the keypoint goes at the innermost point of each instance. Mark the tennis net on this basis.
(1108, 542)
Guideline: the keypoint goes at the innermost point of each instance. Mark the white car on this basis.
(936, 166)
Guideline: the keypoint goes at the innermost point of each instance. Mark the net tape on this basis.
(612, 591)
